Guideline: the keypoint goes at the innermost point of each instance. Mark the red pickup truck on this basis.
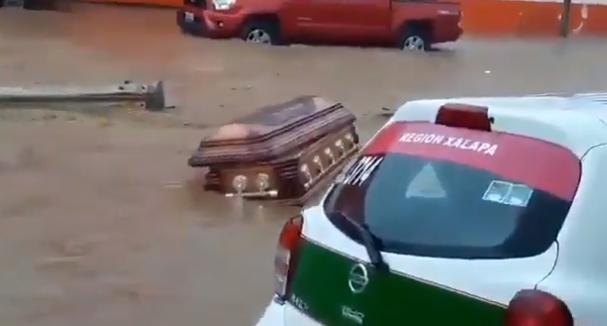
(406, 24)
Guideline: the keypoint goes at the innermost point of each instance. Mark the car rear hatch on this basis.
(463, 218)
(419, 291)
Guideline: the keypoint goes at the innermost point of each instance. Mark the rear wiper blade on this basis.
(369, 240)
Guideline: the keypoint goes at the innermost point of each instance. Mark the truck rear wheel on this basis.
(262, 31)
(415, 38)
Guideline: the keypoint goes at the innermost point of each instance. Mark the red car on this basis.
(406, 24)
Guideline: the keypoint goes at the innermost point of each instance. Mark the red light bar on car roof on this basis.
(464, 116)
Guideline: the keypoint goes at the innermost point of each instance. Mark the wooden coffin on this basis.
(285, 152)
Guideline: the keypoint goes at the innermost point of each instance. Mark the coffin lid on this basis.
(272, 131)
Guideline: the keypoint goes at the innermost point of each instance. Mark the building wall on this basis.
(532, 18)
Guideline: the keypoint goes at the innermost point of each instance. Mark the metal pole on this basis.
(12, 3)
(151, 96)
(565, 18)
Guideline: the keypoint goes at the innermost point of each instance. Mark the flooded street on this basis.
(99, 224)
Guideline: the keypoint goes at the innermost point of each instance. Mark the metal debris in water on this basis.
(151, 96)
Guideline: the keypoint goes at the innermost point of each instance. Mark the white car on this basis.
(471, 211)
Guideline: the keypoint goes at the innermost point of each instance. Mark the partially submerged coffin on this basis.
(284, 152)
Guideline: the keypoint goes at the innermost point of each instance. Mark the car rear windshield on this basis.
(429, 190)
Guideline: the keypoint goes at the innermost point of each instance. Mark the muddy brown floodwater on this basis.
(98, 225)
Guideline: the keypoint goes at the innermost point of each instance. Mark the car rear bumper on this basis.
(284, 314)
(210, 24)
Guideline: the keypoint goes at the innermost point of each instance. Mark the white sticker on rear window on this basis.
(508, 193)
(519, 195)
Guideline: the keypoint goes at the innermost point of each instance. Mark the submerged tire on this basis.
(262, 32)
(415, 39)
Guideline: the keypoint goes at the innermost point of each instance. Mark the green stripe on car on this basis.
(336, 290)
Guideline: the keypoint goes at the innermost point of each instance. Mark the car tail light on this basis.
(287, 254)
(537, 308)
(464, 116)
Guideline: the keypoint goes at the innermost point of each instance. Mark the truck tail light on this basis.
(464, 116)
(287, 255)
(537, 308)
